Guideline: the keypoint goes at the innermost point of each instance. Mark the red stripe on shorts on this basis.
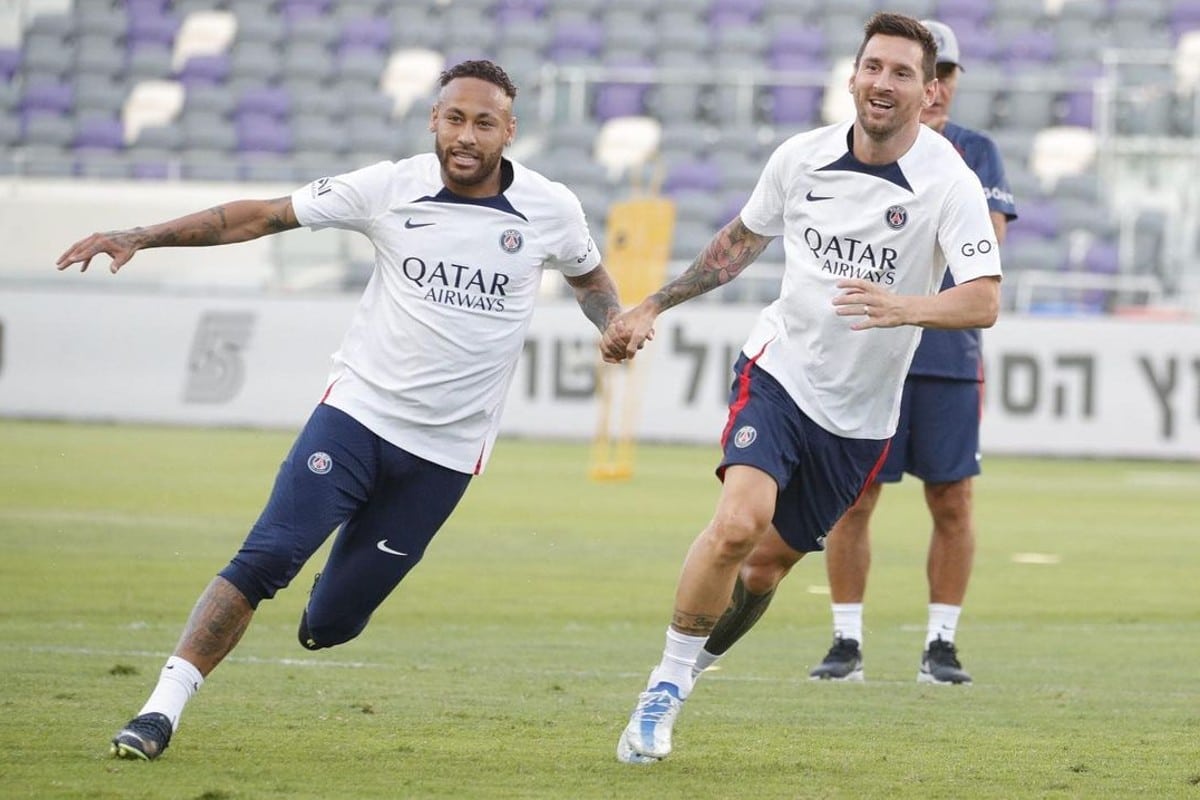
(743, 395)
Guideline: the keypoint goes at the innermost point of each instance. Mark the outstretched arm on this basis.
(730, 251)
(597, 296)
(239, 221)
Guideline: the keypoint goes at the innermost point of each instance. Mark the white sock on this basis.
(679, 655)
(704, 660)
(177, 682)
(943, 622)
(848, 621)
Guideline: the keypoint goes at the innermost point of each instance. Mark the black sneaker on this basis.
(940, 664)
(143, 737)
(843, 662)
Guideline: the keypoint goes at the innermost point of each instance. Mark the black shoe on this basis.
(939, 664)
(306, 640)
(143, 737)
(843, 662)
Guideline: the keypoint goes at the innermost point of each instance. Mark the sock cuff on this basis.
(184, 670)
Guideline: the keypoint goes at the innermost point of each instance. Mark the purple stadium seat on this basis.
(507, 16)
(1102, 258)
(795, 105)
(574, 39)
(796, 43)
(1039, 217)
(619, 100)
(58, 98)
(533, 8)
(151, 28)
(686, 176)
(154, 169)
(1079, 105)
(296, 9)
(974, 12)
(1184, 17)
(732, 206)
(734, 12)
(208, 69)
(1032, 46)
(261, 133)
(144, 8)
(978, 44)
(100, 134)
(273, 101)
(10, 61)
(366, 32)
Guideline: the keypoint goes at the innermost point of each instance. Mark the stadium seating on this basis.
(275, 89)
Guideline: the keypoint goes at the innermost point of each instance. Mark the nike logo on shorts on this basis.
(382, 545)
(408, 223)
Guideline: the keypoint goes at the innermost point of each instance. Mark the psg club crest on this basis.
(745, 436)
(320, 463)
(511, 241)
(896, 217)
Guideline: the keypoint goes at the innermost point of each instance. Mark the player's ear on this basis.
(511, 133)
(433, 113)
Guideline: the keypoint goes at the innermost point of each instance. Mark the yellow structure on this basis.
(637, 251)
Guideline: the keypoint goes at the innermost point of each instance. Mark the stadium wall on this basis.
(1102, 387)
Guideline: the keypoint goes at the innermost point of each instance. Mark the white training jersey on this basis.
(433, 345)
(897, 225)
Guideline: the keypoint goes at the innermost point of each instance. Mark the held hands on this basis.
(628, 332)
(877, 307)
(120, 245)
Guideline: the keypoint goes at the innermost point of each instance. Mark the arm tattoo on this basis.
(597, 296)
(238, 221)
(732, 250)
(277, 218)
(205, 228)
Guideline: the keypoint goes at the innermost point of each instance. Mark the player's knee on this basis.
(733, 535)
(260, 575)
(762, 578)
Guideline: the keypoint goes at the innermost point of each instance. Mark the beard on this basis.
(484, 168)
(877, 128)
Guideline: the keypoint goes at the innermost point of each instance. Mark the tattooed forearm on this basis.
(732, 250)
(238, 221)
(597, 296)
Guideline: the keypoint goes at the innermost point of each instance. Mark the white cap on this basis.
(946, 41)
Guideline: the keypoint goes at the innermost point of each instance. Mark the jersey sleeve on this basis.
(763, 212)
(348, 201)
(989, 167)
(570, 247)
(965, 233)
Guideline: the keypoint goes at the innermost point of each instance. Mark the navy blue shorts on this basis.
(820, 474)
(387, 502)
(937, 439)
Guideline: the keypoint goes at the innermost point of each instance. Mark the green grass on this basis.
(506, 665)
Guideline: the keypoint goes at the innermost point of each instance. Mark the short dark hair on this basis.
(887, 24)
(484, 71)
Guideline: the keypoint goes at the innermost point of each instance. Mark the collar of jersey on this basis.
(498, 202)
(848, 163)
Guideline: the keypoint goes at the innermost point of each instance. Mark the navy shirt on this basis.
(957, 354)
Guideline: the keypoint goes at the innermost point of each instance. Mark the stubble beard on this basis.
(485, 169)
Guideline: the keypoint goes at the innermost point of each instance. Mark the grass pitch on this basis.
(506, 665)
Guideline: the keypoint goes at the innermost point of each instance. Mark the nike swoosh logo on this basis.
(382, 543)
(408, 223)
(815, 197)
